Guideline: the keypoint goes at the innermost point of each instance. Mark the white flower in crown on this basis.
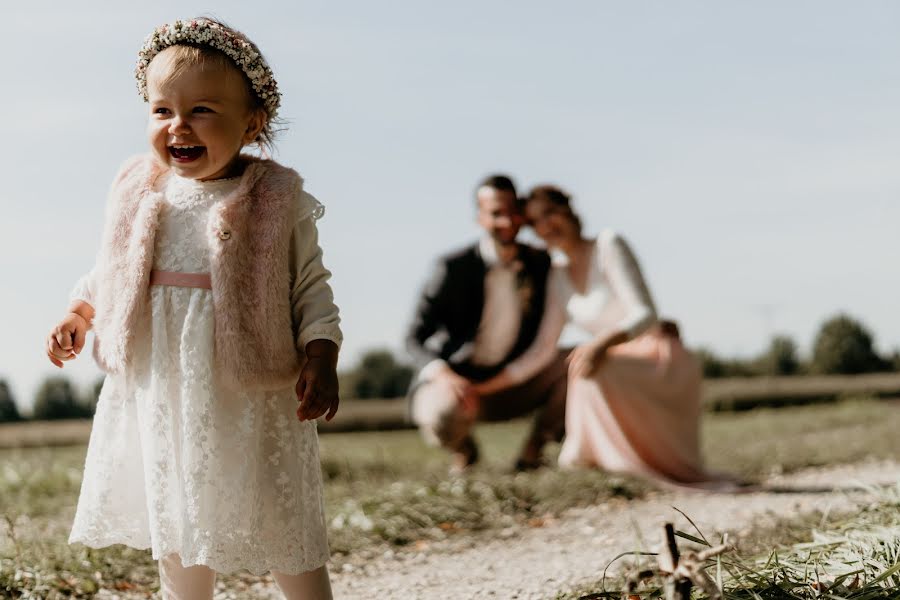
(212, 34)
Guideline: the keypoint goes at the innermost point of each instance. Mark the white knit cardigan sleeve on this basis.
(315, 314)
(85, 289)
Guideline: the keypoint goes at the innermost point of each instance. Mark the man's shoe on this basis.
(530, 458)
(523, 465)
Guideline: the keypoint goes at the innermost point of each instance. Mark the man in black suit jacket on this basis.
(480, 310)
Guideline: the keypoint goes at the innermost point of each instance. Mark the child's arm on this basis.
(316, 320)
(317, 388)
(66, 340)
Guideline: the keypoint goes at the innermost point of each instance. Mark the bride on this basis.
(633, 402)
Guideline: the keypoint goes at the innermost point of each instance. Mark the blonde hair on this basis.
(181, 57)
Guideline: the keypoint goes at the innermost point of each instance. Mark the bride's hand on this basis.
(585, 359)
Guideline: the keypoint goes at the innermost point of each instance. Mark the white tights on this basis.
(198, 582)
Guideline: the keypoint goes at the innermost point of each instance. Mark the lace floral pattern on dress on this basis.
(177, 461)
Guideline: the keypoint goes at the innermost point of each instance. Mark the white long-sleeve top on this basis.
(615, 298)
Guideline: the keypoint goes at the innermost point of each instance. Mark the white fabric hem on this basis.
(306, 338)
(218, 565)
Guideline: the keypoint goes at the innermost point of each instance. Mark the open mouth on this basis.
(186, 153)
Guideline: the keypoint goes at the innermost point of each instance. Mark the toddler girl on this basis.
(212, 316)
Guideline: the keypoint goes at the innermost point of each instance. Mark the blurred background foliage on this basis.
(842, 346)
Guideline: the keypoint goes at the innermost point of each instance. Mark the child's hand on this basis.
(317, 388)
(66, 340)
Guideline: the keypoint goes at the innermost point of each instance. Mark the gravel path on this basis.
(550, 556)
(554, 556)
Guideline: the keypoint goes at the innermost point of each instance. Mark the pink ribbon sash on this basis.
(189, 280)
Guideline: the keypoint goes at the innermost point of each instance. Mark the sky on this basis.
(749, 152)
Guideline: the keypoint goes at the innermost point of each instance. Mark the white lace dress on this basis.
(639, 412)
(178, 462)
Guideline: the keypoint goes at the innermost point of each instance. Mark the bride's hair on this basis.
(556, 197)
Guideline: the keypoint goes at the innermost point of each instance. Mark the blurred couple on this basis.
(485, 338)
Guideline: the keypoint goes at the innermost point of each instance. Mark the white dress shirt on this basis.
(501, 318)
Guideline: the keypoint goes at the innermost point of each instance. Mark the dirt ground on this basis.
(546, 558)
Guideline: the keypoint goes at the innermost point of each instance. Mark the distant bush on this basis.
(780, 358)
(715, 367)
(378, 375)
(9, 412)
(894, 360)
(710, 363)
(844, 346)
(57, 399)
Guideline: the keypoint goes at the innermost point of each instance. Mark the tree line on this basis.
(842, 346)
(56, 398)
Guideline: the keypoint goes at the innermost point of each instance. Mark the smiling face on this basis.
(498, 214)
(201, 116)
(552, 223)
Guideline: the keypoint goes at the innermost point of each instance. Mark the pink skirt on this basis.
(639, 414)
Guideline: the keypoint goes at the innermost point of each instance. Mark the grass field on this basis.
(853, 556)
(386, 489)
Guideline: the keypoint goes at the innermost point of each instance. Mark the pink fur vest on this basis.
(248, 235)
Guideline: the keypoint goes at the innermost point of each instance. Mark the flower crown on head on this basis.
(206, 32)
